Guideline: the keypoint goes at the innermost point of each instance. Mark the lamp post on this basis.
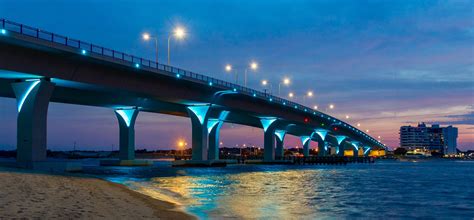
(253, 66)
(285, 81)
(228, 68)
(265, 83)
(147, 37)
(178, 33)
(309, 94)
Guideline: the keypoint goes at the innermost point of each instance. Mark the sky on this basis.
(383, 63)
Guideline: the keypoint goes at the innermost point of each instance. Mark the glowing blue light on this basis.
(137, 65)
(322, 133)
(305, 110)
(355, 145)
(210, 83)
(271, 99)
(199, 111)
(26, 94)
(305, 139)
(4, 31)
(367, 150)
(296, 106)
(211, 123)
(254, 95)
(314, 113)
(266, 122)
(340, 139)
(235, 90)
(223, 115)
(325, 146)
(178, 76)
(126, 115)
(83, 52)
(280, 134)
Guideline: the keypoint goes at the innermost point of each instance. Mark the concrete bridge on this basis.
(38, 67)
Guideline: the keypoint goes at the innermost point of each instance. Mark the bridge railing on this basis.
(127, 59)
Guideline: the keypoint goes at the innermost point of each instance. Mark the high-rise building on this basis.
(434, 138)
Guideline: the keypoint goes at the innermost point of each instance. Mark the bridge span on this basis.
(38, 67)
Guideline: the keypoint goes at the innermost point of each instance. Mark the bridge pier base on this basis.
(280, 137)
(321, 148)
(269, 128)
(305, 140)
(214, 141)
(199, 120)
(32, 103)
(126, 119)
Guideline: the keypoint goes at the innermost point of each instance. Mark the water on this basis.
(386, 189)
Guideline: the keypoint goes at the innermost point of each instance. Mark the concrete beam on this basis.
(269, 127)
(32, 103)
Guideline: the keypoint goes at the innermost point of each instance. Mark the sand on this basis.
(47, 196)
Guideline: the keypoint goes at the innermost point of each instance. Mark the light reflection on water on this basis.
(431, 189)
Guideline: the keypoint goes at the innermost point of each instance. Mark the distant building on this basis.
(434, 138)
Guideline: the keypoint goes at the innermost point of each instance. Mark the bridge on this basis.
(38, 67)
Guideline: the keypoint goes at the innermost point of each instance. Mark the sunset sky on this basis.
(383, 63)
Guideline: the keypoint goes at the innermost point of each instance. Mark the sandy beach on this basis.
(47, 196)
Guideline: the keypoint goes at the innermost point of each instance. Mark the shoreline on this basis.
(29, 194)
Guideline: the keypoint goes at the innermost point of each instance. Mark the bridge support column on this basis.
(199, 120)
(321, 148)
(214, 142)
(305, 140)
(341, 149)
(268, 139)
(280, 137)
(126, 119)
(32, 103)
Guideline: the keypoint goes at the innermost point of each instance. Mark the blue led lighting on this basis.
(305, 139)
(284, 103)
(266, 122)
(211, 123)
(280, 134)
(235, 90)
(271, 99)
(4, 31)
(296, 106)
(322, 133)
(367, 150)
(126, 115)
(355, 145)
(26, 94)
(178, 76)
(199, 111)
(305, 110)
(83, 52)
(137, 65)
(254, 95)
(340, 139)
(210, 83)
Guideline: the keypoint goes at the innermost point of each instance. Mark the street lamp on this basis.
(253, 66)
(309, 94)
(286, 81)
(265, 83)
(178, 33)
(229, 68)
(347, 117)
(147, 37)
(331, 106)
(291, 95)
(315, 107)
(358, 124)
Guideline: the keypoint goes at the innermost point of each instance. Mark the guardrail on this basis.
(89, 48)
